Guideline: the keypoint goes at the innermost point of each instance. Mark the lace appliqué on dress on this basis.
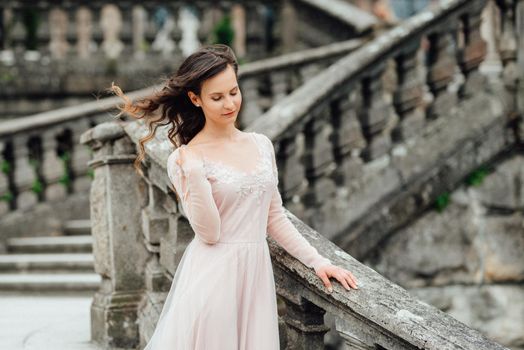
(255, 182)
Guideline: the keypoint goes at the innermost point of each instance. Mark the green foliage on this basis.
(477, 176)
(91, 173)
(223, 32)
(442, 202)
(65, 179)
(37, 186)
(5, 166)
(111, 67)
(7, 197)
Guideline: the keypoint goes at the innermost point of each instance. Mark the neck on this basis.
(219, 132)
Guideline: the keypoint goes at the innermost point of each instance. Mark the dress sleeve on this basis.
(284, 232)
(196, 196)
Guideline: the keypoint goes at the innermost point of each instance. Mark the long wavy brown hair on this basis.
(171, 105)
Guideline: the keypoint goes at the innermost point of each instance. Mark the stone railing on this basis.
(43, 166)
(140, 218)
(374, 139)
(54, 52)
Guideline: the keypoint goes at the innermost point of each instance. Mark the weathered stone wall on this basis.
(468, 259)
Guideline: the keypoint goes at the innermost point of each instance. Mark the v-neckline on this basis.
(234, 169)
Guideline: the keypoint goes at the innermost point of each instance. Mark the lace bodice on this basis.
(224, 204)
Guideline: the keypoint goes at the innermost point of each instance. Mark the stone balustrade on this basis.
(54, 52)
(374, 139)
(43, 164)
(140, 217)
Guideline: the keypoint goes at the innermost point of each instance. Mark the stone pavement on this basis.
(56, 321)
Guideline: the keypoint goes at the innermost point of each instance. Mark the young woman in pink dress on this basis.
(222, 295)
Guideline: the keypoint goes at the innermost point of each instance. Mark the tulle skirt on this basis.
(222, 298)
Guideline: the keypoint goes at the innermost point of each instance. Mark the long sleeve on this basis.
(284, 232)
(195, 193)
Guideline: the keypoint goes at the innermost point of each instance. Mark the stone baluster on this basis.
(351, 340)
(238, 21)
(320, 167)
(5, 194)
(290, 161)
(52, 167)
(440, 72)
(279, 85)
(375, 115)
(176, 11)
(116, 199)
(80, 156)
(139, 30)
(288, 26)
(250, 102)
(407, 98)
(58, 26)
(155, 225)
(303, 321)
(473, 53)
(24, 175)
(255, 38)
(84, 32)
(348, 139)
(111, 25)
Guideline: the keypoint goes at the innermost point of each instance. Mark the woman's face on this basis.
(220, 97)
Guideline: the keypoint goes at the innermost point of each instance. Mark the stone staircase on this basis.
(50, 264)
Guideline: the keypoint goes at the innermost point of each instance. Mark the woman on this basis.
(223, 292)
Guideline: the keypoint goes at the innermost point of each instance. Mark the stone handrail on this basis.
(356, 138)
(37, 168)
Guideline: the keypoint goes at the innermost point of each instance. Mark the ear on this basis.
(194, 98)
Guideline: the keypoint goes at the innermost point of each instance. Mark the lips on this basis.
(230, 113)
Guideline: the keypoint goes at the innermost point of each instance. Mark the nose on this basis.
(229, 104)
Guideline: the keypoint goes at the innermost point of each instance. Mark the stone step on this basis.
(77, 227)
(31, 282)
(56, 244)
(18, 263)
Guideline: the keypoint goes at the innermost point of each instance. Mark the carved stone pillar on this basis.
(120, 255)
(84, 29)
(58, 26)
(139, 30)
(440, 73)
(349, 140)
(320, 166)
(304, 323)
(375, 115)
(238, 16)
(5, 195)
(24, 174)
(288, 25)
(292, 172)
(80, 156)
(408, 95)
(473, 52)
(52, 167)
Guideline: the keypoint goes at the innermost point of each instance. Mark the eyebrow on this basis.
(218, 93)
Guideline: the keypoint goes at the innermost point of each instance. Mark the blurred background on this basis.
(397, 126)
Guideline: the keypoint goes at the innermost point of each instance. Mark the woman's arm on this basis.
(284, 232)
(194, 190)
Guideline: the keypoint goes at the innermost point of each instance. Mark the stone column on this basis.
(24, 175)
(238, 15)
(120, 255)
(304, 324)
(52, 167)
(4, 184)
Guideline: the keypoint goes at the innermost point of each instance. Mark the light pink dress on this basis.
(223, 293)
